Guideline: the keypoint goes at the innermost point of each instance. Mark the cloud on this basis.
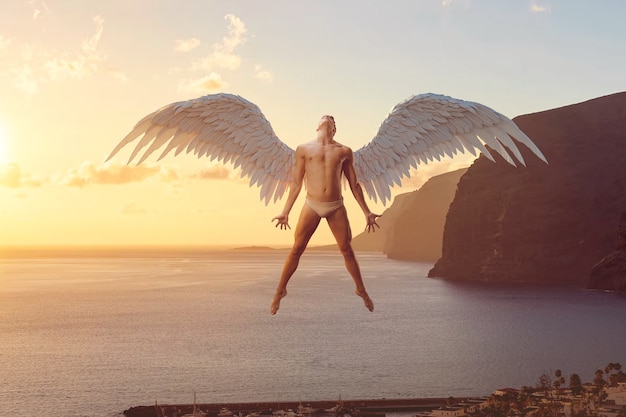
(539, 7)
(262, 74)
(24, 79)
(223, 55)
(38, 8)
(186, 45)
(81, 64)
(132, 209)
(89, 173)
(214, 172)
(34, 64)
(212, 83)
(5, 42)
(12, 176)
(117, 73)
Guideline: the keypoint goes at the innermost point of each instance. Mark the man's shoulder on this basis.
(303, 147)
(306, 145)
(343, 148)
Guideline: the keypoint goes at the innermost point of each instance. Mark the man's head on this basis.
(329, 122)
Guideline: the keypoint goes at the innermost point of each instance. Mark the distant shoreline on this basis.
(126, 251)
(115, 251)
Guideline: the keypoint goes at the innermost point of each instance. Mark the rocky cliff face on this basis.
(610, 272)
(417, 232)
(546, 223)
(375, 242)
(412, 227)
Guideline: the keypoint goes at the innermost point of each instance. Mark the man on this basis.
(323, 161)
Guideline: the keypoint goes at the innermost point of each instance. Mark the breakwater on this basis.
(365, 407)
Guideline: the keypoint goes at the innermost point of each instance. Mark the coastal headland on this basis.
(364, 407)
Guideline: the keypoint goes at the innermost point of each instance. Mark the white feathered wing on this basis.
(418, 130)
(225, 127)
(430, 126)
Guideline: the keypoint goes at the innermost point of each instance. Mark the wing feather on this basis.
(225, 127)
(160, 139)
(428, 127)
(150, 134)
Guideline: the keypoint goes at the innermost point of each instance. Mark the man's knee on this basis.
(346, 249)
(297, 250)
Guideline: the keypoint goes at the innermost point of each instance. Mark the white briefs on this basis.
(324, 208)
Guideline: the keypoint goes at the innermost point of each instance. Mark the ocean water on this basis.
(95, 334)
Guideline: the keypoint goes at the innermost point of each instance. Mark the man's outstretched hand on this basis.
(283, 221)
(371, 222)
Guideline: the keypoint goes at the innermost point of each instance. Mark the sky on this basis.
(75, 77)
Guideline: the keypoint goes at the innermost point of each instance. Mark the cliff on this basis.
(412, 227)
(610, 272)
(417, 232)
(544, 223)
(375, 242)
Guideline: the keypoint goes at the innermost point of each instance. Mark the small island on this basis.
(254, 248)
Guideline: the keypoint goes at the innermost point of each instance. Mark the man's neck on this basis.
(325, 137)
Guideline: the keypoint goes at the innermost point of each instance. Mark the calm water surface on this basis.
(93, 336)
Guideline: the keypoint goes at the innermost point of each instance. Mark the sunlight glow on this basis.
(4, 157)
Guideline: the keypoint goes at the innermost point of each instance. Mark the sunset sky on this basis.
(75, 77)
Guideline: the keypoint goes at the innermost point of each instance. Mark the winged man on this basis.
(417, 130)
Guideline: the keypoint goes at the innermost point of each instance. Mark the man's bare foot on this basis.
(276, 302)
(366, 299)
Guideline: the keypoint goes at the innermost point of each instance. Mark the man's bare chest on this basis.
(326, 157)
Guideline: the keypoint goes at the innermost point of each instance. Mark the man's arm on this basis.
(357, 192)
(294, 190)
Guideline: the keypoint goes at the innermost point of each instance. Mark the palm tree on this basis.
(575, 384)
(559, 380)
(599, 394)
(617, 376)
(607, 370)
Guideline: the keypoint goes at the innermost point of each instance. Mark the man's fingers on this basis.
(370, 227)
(282, 222)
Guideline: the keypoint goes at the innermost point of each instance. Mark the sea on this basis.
(93, 333)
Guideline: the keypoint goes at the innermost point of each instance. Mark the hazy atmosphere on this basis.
(76, 76)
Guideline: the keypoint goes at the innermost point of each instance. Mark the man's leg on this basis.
(339, 225)
(307, 223)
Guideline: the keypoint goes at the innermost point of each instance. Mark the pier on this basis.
(364, 408)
